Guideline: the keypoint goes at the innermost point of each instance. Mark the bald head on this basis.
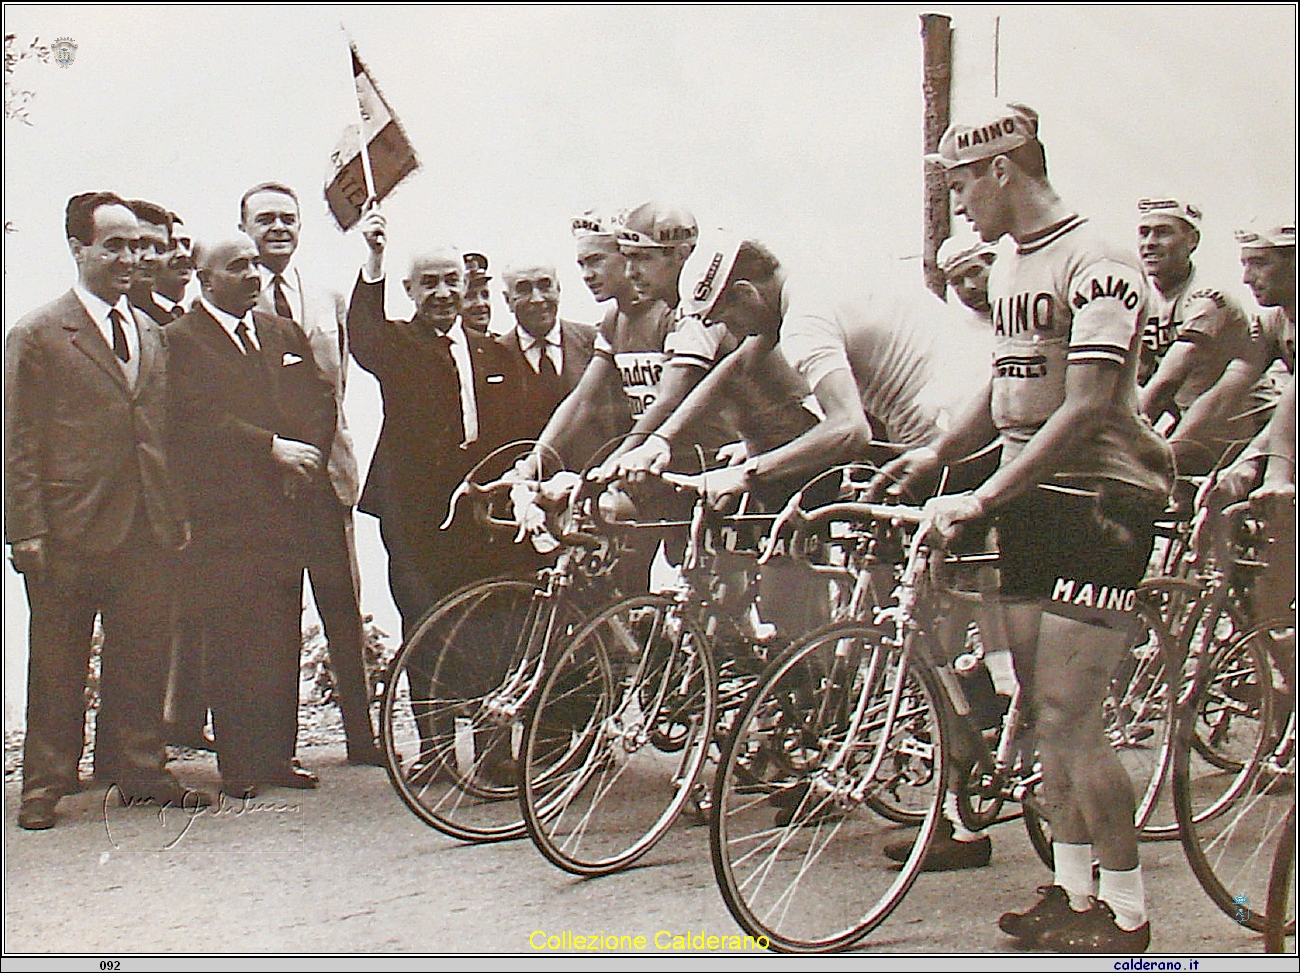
(532, 289)
(227, 269)
(436, 284)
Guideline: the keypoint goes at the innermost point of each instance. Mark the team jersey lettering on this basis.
(1021, 366)
(1021, 313)
(640, 372)
(1116, 287)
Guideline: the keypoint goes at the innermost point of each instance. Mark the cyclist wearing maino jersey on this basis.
(1067, 309)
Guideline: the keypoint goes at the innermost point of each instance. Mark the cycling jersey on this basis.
(1063, 296)
(915, 363)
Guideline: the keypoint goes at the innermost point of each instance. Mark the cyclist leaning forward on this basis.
(1081, 481)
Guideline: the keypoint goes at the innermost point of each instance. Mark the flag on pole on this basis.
(372, 157)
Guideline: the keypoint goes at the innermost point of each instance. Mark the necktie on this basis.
(246, 342)
(545, 366)
(119, 336)
(281, 302)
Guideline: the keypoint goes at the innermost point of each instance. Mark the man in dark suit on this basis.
(253, 419)
(92, 515)
(550, 354)
(156, 249)
(449, 399)
(269, 214)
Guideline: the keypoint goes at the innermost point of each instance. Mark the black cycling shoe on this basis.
(1095, 931)
(1050, 910)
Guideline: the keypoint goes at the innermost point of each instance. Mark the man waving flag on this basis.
(372, 157)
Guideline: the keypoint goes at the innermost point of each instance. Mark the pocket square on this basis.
(495, 379)
(290, 358)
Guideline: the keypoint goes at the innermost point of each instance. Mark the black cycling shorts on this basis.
(1077, 554)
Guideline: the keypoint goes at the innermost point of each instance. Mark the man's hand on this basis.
(29, 556)
(640, 463)
(719, 485)
(733, 454)
(302, 459)
(373, 228)
(949, 511)
(187, 535)
(898, 475)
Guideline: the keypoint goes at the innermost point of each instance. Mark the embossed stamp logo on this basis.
(64, 50)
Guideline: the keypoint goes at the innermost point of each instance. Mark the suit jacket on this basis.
(324, 323)
(577, 342)
(83, 449)
(419, 458)
(226, 408)
(152, 308)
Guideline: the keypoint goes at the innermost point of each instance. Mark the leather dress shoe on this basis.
(295, 777)
(366, 756)
(37, 814)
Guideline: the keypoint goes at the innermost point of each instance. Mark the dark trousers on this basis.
(335, 585)
(252, 609)
(127, 588)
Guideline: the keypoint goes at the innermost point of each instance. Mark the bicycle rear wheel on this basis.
(447, 726)
(1231, 820)
(798, 857)
(617, 735)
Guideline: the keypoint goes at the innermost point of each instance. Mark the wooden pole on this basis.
(936, 43)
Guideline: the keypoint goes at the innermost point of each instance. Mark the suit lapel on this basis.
(149, 346)
(88, 339)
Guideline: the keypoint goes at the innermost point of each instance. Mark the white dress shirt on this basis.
(99, 309)
(532, 348)
(290, 284)
(465, 373)
(229, 323)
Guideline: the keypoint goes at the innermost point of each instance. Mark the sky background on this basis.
(800, 126)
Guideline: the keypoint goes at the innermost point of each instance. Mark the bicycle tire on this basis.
(1231, 821)
(437, 725)
(1279, 912)
(1200, 622)
(617, 734)
(816, 881)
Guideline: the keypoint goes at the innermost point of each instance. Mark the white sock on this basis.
(1123, 892)
(1074, 873)
(959, 831)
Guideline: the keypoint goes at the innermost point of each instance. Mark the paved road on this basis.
(347, 868)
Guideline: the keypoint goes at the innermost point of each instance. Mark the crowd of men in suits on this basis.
(176, 460)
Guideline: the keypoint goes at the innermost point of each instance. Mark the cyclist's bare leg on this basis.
(1089, 796)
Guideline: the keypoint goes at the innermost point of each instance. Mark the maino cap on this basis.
(994, 131)
(954, 252)
(594, 224)
(1263, 235)
(1168, 206)
(655, 225)
(476, 266)
(705, 273)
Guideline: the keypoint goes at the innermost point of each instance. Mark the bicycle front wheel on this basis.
(448, 726)
(842, 724)
(617, 735)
